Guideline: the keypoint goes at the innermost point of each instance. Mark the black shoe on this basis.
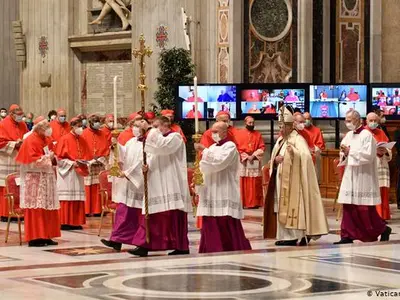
(51, 243)
(303, 241)
(179, 252)
(286, 243)
(344, 241)
(75, 227)
(116, 246)
(97, 215)
(398, 205)
(139, 251)
(386, 234)
(65, 227)
(37, 243)
(4, 219)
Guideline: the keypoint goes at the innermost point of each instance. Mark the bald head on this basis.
(226, 118)
(220, 129)
(308, 119)
(373, 120)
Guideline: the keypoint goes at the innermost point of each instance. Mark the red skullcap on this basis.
(13, 107)
(38, 120)
(75, 119)
(166, 112)
(133, 116)
(223, 113)
(60, 110)
(110, 116)
(149, 115)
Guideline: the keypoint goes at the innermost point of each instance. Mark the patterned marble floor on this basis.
(81, 268)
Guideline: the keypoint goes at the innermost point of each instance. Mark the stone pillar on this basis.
(304, 41)
(376, 41)
(326, 48)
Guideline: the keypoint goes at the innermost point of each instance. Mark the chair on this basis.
(12, 196)
(107, 206)
(338, 172)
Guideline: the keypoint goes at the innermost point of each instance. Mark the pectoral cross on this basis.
(141, 53)
(292, 217)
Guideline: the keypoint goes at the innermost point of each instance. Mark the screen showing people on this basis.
(386, 99)
(334, 101)
(211, 100)
(269, 101)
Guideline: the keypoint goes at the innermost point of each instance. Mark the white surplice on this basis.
(70, 185)
(220, 194)
(168, 187)
(130, 192)
(360, 185)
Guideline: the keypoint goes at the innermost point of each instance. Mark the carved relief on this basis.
(120, 7)
(270, 45)
(350, 58)
(223, 41)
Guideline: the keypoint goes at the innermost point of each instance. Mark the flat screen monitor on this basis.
(268, 101)
(212, 99)
(334, 101)
(386, 99)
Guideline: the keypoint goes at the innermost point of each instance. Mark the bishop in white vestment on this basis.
(220, 204)
(168, 193)
(359, 191)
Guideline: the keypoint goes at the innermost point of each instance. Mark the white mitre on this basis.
(285, 115)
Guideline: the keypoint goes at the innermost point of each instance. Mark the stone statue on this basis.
(121, 9)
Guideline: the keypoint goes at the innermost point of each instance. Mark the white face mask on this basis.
(78, 131)
(19, 118)
(96, 126)
(110, 125)
(84, 122)
(62, 119)
(373, 125)
(53, 117)
(216, 137)
(351, 126)
(3, 114)
(48, 132)
(300, 126)
(136, 131)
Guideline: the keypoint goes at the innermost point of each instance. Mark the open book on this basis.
(389, 145)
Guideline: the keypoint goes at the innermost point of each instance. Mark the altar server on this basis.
(170, 114)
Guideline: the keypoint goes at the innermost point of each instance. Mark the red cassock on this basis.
(309, 141)
(178, 129)
(316, 136)
(251, 186)
(39, 223)
(73, 147)
(98, 147)
(383, 209)
(10, 131)
(125, 136)
(108, 133)
(59, 129)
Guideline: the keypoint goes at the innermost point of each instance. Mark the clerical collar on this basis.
(223, 141)
(358, 130)
(143, 137)
(168, 133)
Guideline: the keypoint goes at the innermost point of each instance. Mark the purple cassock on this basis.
(220, 234)
(168, 231)
(126, 224)
(361, 222)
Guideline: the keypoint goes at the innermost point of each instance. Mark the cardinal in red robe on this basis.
(60, 126)
(127, 134)
(72, 154)
(353, 96)
(38, 191)
(108, 127)
(12, 131)
(170, 114)
(251, 148)
(314, 133)
(384, 157)
(299, 125)
(99, 151)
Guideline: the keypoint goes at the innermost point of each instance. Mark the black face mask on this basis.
(250, 127)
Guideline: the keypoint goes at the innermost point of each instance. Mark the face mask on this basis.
(18, 118)
(84, 122)
(96, 126)
(48, 132)
(24, 119)
(350, 126)
(300, 126)
(216, 137)
(308, 123)
(53, 117)
(110, 124)
(383, 120)
(373, 125)
(3, 114)
(250, 127)
(78, 131)
(62, 119)
(136, 131)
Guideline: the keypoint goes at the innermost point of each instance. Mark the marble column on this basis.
(304, 41)
(376, 41)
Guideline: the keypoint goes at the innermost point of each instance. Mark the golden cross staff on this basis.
(142, 87)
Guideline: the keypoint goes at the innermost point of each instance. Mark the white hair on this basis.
(354, 114)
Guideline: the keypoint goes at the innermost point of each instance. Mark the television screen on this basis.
(268, 101)
(386, 99)
(334, 101)
(211, 98)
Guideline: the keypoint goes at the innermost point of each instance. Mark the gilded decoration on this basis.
(223, 58)
(350, 46)
(270, 41)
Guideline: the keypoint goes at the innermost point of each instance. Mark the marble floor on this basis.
(80, 267)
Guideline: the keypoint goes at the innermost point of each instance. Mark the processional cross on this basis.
(141, 53)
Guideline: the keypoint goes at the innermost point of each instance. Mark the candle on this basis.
(115, 102)
(196, 115)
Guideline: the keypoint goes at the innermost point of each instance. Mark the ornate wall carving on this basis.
(350, 37)
(271, 41)
(223, 41)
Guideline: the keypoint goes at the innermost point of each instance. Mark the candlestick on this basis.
(115, 103)
(196, 115)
